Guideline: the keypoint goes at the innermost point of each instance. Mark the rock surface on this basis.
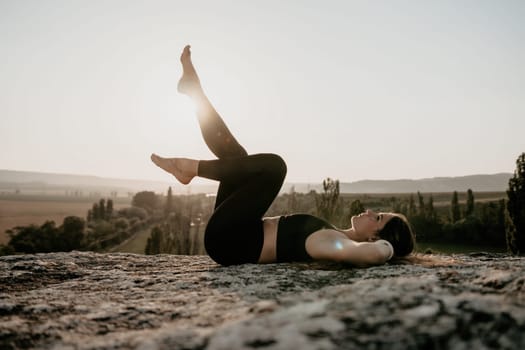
(85, 300)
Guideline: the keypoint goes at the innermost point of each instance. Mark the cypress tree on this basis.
(153, 244)
(431, 213)
(109, 209)
(516, 208)
(72, 232)
(421, 208)
(95, 212)
(454, 208)
(411, 206)
(169, 202)
(510, 233)
(470, 203)
(102, 209)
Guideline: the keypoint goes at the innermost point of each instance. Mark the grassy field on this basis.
(26, 210)
(136, 244)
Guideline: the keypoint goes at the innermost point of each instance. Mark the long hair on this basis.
(400, 234)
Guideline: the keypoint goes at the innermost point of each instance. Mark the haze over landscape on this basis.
(350, 90)
(31, 183)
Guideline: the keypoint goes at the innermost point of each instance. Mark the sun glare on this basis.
(185, 108)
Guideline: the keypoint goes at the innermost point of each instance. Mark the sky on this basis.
(350, 90)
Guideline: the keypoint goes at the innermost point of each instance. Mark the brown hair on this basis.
(400, 234)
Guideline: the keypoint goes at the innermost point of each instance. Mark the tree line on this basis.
(176, 223)
(498, 223)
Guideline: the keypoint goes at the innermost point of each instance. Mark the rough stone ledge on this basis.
(85, 300)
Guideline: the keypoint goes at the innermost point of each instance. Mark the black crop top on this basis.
(292, 232)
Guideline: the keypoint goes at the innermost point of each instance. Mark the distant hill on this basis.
(477, 183)
(50, 183)
(35, 182)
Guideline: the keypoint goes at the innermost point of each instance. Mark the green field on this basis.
(135, 244)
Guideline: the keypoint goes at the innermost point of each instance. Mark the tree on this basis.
(491, 216)
(470, 203)
(153, 244)
(133, 212)
(411, 206)
(510, 234)
(102, 209)
(24, 238)
(6, 250)
(328, 202)
(291, 206)
(95, 212)
(72, 232)
(431, 213)
(356, 207)
(177, 231)
(454, 208)
(109, 209)
(34, 239)
(516, 207)
(421, 207)
(146, 199)
(169, 202)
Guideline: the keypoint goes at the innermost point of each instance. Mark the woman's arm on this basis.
(335, 246)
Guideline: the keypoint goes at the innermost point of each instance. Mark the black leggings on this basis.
(248, 186)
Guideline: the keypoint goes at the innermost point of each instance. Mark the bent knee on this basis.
(276, 164)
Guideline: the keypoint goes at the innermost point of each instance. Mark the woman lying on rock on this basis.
(237, 232)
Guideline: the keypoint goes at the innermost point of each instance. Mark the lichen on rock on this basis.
(85, 300)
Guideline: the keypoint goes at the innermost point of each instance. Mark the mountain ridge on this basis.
(34, 181)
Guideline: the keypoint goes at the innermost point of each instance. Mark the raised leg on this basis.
(214, 131)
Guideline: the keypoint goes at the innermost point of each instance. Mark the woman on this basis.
(237, 233)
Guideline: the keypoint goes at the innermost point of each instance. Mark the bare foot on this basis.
(183, 169)
(189, 83)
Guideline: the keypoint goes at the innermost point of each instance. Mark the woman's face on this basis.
(366, 225)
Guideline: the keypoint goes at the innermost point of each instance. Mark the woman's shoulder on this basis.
(333, 245)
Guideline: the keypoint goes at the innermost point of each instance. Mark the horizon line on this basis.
(289, 181)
